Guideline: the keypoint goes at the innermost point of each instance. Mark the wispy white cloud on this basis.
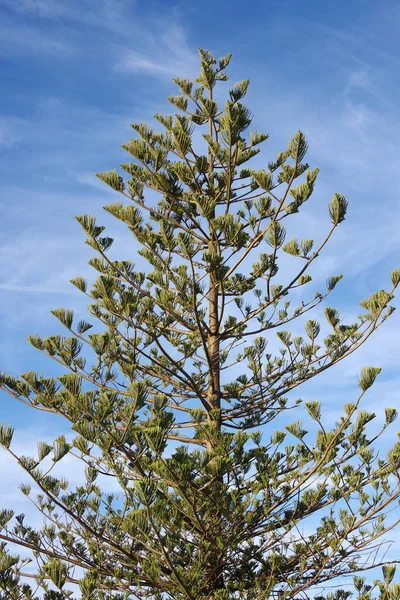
(20, 39)
(8, 135)
(9, 287)
(129, 41)
(40, 7)
(134, 62)
(168, 54)
(363, 80)
(353, 136)
(53, 9)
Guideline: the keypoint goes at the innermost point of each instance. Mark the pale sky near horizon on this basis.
(76, 74)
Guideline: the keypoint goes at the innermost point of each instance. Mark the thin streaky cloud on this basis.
(135, 62)
(9, 287)
(168, 55)
(8, 136)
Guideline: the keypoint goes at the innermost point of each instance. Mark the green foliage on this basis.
(338, 208)
(368, 376)
(112, 179)
(6, 435)
(166, 388)
(395, 277)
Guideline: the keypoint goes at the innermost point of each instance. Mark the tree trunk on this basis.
(215, 569)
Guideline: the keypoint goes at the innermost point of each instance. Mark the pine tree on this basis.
(171, 389)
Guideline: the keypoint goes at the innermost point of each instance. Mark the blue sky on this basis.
(74, 76)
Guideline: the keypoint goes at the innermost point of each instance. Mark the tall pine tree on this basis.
(171, 389)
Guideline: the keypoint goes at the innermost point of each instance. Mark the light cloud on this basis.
(168, 54)
(40, 7)
(8, 136)
(135, 62)
(9, 287)
(19, 39)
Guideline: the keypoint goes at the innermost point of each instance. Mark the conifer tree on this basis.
(172, 386)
